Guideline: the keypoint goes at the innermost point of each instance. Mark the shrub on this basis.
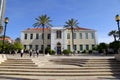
(52, 52)
(84, 51)
(66, 52)
(90, 51)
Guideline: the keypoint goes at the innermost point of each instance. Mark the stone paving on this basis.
(45, 62)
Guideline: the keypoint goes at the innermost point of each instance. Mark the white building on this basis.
(59, 38)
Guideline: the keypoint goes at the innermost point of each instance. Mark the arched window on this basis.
(58, 34)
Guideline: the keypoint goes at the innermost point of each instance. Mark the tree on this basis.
(72, 23)
(17, 39)
(115, 45)
(17, 46)
(42, 21)
(113, 33)
(102, 46)
(1, 28)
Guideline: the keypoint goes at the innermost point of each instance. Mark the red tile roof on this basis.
(6, 38)
(38, 29)
(80, 28)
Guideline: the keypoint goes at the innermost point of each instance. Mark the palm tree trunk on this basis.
(43, 39)
(114, 37)
(72, 41)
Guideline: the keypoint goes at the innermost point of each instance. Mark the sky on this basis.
(98, 15)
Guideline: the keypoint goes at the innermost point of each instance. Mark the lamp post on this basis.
(117, 20)
(6, 22)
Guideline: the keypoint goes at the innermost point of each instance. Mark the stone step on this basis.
(17, 63)
(59, 68)
(60, 71)
(63, 59)
(61, 74)
(90, 62)
(24, 65)
(19, 77)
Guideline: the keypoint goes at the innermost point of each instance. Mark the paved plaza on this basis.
(55, 67)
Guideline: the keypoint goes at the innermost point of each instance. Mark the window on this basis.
(92, 35)
(86, 35)
(80, 35)
(36, 47)
(49, 36)
(58, 34)
(30, 46)
(68, 35)
(68, 47)
(41, 47)
(87, 47)
(37, 36)
(81, 47)
(31, 36)
(24, 46)
(25, 36)
(75, 47)
(93, 46)
(74, 35)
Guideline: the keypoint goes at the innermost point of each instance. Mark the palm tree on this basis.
(113, 33)
(72, 23)
(1, 29)
(43, 21)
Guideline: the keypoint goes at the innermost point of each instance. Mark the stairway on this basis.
(83, 68)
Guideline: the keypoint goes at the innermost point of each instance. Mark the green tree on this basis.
(113, 33)
(102, 46)
(72, 23)
(42, 21)
(17, 39)
(115, 45)
(17, 46)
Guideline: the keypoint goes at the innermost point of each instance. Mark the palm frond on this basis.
(42, 20)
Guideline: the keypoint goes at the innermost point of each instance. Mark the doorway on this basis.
(58, 48)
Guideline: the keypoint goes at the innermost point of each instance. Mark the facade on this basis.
(59, 38)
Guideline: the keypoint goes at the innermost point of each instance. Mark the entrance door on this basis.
(58, 48)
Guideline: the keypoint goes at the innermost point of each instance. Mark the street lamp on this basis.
(117, 20)
(6, 22)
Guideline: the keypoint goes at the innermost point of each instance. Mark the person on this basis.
(21, 53)
(30, 52)
(37, 52)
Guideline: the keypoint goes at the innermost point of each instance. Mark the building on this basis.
(2, 10)
(7, 39)
(59, 38)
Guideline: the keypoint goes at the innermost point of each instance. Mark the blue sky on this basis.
(94, 14)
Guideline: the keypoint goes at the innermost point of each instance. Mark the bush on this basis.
(66, 52)
(90, 51)
(84, 51)
(52, 52)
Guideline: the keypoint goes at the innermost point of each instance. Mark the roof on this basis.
(6, 38)
(40, 29)
(36, 29)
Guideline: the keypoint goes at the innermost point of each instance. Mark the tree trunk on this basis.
(114, 38)
(72, 40)
(43, 39)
